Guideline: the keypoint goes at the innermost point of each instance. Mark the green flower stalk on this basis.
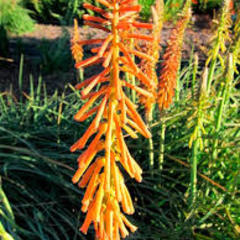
(197, 121)
(219, 39)
(225, 88)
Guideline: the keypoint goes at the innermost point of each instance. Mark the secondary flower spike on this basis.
(103, 146)
(149, 66)
(171, 61)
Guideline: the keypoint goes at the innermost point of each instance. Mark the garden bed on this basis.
(35, 46)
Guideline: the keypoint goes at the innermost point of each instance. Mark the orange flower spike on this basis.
(140, 75)
(171, 63)
(124, 25)
(103, 179)
(148, 66)
(77, 50)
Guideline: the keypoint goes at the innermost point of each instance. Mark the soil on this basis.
(197, 36)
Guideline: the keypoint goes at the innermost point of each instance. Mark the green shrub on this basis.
(13, 18)
(52, 11)
(57, 56)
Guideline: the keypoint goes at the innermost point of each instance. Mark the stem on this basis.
(150, 142)
(133, 79)
(162, 146)
(151, 153)
(190, 64)
(178, 89)
(218, 121)
(193, 184)
(20, 76)
(5, 202)
(224, 93)
(127, 77)
(3, 234)
(115, 57)
(211, 72)
(81, 74)
(194, 76)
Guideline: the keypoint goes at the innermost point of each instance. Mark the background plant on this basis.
(14, 18)
(61, 11)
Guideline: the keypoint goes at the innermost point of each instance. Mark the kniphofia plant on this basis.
(98, 165)
(98, 169)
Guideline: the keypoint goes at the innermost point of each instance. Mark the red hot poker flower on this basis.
(98, 165)
(171, 62)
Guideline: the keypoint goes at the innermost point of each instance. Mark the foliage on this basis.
(64, 11)
(55, 57)
(146, 8)
(14, 18)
